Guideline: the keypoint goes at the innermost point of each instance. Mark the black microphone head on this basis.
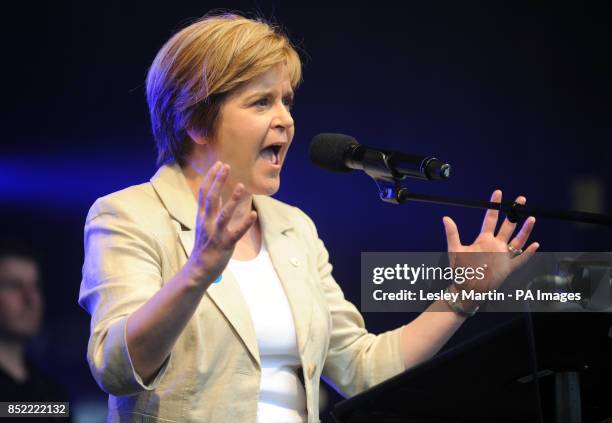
(329, 151)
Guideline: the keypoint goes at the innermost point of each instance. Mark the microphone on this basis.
(342, 153)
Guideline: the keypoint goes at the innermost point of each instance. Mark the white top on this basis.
(282, 397)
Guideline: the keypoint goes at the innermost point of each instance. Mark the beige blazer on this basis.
(138, 238)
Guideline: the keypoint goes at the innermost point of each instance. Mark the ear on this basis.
(198, 136)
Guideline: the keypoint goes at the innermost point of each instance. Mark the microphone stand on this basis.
(384, 169)
(392, 191)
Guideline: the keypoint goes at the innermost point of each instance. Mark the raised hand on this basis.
(502, 254)
(215, 240)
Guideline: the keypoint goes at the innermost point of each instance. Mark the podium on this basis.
(535, 367)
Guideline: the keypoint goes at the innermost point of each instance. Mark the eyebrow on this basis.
(260, 93)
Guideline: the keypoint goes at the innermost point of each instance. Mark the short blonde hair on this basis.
(199, 66)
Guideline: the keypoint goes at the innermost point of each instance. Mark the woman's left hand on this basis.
(498, 252)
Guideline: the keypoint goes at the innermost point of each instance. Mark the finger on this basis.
(453, 240)
(521, 238)
(213, 197)
(228, 210)
(205, 187)
(521, 259)
(231, 236)
(490, 220)
(507, 228)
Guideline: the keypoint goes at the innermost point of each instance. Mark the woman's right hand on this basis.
(215, 240)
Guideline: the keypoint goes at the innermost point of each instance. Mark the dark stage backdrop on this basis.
(514, 95)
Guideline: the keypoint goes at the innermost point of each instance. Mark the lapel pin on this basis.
(295, 262)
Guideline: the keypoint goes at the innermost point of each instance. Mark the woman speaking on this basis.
(209, 300)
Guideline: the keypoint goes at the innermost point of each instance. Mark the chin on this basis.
(269, 188)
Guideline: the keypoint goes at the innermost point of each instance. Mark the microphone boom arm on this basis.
(391, 191)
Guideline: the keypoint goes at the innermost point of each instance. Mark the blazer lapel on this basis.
(175, 194)
(290, 263)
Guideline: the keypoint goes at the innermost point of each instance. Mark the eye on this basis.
(288, 101)
(262, 102)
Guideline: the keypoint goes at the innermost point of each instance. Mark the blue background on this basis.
(514, 95)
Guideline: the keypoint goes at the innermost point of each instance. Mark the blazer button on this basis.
(311, 371)
(295, 262)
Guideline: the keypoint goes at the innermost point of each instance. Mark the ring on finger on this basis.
(515, 251)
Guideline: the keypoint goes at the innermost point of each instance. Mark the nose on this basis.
(282, 116)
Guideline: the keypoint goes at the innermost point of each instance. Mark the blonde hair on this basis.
(199, 66)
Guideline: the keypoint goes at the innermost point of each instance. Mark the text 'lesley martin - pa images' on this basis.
(410, 282)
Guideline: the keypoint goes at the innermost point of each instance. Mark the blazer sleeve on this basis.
(356, 359)
(121, 271)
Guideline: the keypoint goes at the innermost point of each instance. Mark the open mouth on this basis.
(271, 153)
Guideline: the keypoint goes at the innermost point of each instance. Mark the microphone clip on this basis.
(389, 189)
(376, 165)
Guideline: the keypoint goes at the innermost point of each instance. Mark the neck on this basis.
(12, 358)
